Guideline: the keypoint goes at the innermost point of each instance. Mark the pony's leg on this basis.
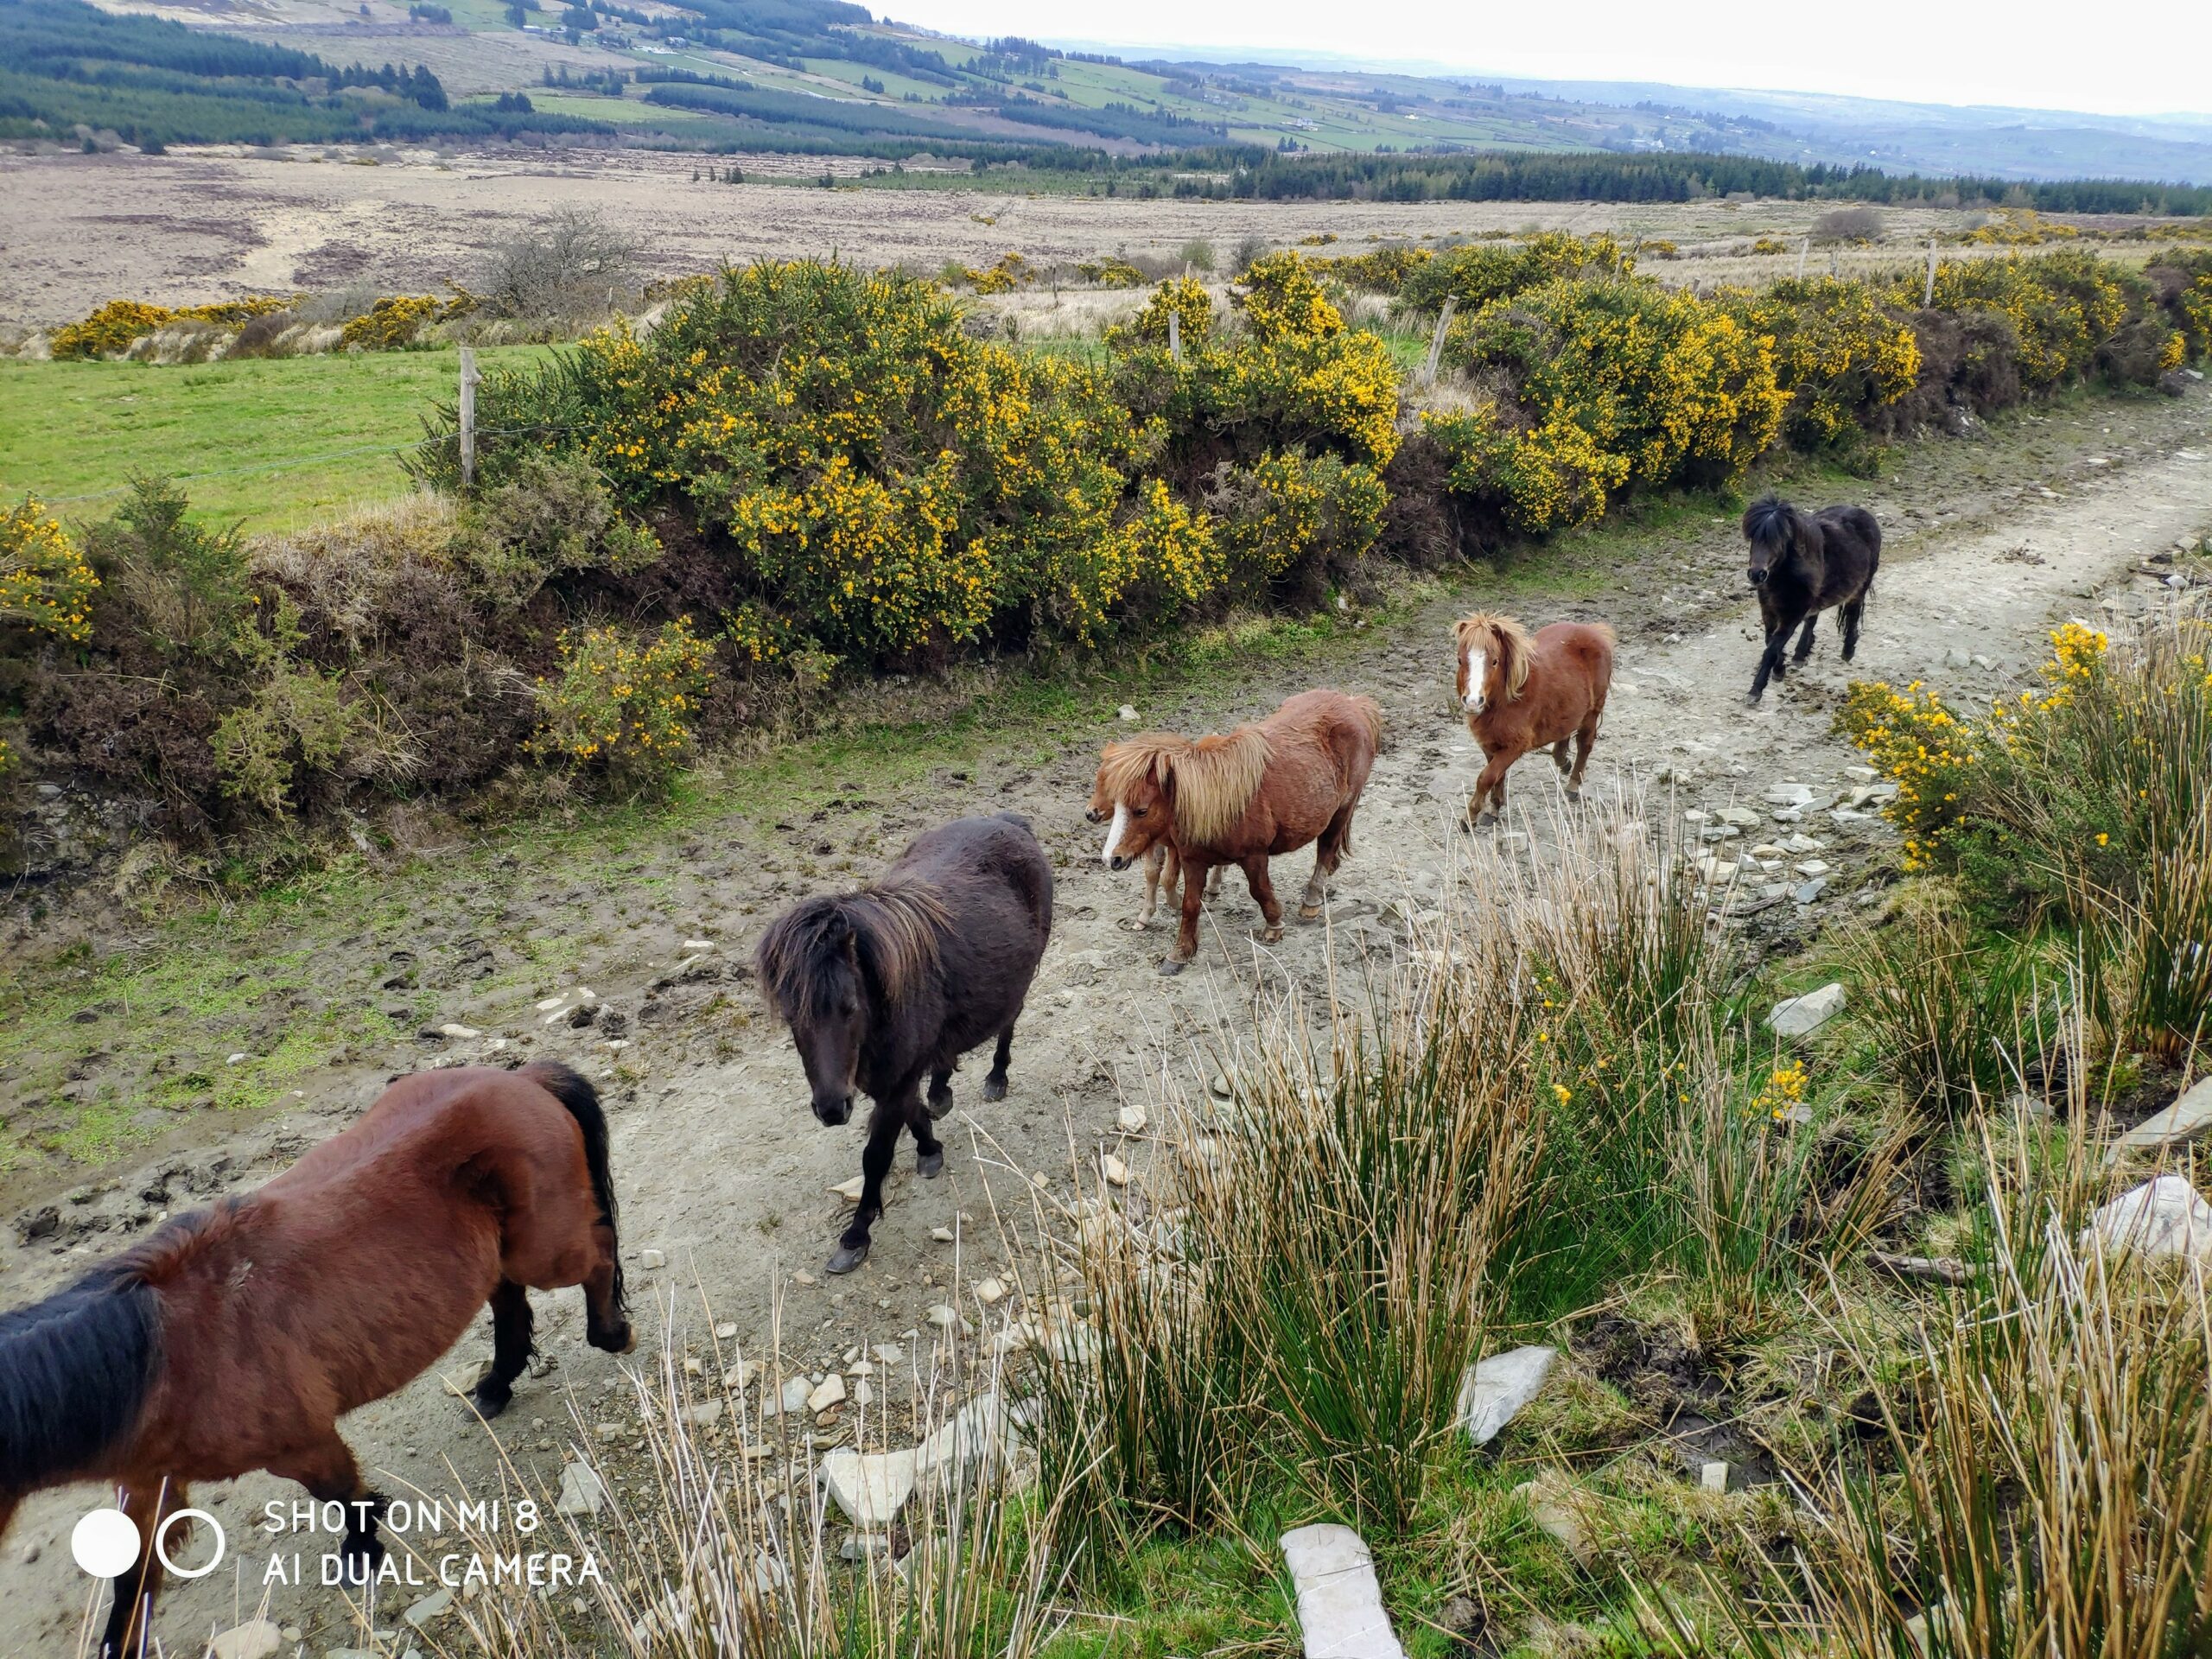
(130, 1615)
(893, 1114)
(1849, 617)
(327, 1469)
(1257, 878)
(1805, 638)
(511, 1349)
(1559, 755)
(929, 1151)
(1480, 809)
(1770, 659)
(1155, 865)
(941, 1093)
(994, 1080)
(1186, 931)
(1213, 880)
(607, 1322)
(1328, 852)
(1585, 738)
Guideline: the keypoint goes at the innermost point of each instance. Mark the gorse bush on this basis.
(622, 705)
(2082, 800)
(1614, 383)
(1841, 358)
(109, 330)
(46, 586)
(1478, 276)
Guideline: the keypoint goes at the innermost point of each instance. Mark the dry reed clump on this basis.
(719, 1534)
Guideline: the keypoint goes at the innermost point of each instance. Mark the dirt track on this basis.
(722, 1169)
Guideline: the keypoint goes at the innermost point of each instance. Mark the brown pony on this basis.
(235, 1338)
(1264, 789)
(1523, 691)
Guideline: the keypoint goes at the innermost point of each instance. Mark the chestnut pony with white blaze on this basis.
(1265, 789)
(1522, 691)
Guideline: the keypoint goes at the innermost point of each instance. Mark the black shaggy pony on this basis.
(1801, 563)
(884, 986)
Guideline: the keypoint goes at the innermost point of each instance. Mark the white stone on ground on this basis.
(976, 1440)
(2159, 1218)
(870, 1487)
(1799, 1016)
(831, 1393)
(256, 1639)
(1492, 1392)
(849, 1191)
(583, 1492)
(1339, 1601)
(2188, 1119)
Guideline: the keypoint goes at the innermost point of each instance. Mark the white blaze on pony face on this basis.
(1114, 833)
(1478, 673)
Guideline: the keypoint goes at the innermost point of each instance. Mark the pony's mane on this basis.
(1215, 777)
(1510, 642)
(1769, 520)
(75, 1370)
(897, 925)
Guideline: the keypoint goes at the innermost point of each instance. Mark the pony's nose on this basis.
(1118, 863)
(1094, 815)
(834, 1111)
(1758, 577)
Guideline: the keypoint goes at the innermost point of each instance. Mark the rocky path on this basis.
(724, 1174)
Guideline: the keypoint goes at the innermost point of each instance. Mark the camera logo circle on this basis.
(106, 1543)
(161, 1544)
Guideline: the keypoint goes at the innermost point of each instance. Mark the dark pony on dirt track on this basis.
(884, 987)
(235, 1338)
(1801, 563)
(1522, 691)
(1263, 790)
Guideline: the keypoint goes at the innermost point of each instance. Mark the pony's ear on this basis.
(837, 928)
(1462, 630)
(1163, 775)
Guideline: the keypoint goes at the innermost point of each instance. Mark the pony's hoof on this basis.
(1309, 912)
(620, 1339)
(940, 1105)
(1171, 966)
(1268, 935)
(490, 1399)
(1134, 925)
(930, 1165)
(849, 1256)
(994, 1088)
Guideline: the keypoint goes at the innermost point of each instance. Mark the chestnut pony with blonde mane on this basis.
(1264, 789)
(1522, 691)
(235, 1338)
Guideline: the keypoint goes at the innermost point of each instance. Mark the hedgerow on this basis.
(819, 466)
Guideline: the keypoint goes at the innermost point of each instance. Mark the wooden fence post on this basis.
(1928, 295)
(1803, 248)
(468, 418)
(1436, 340)
(1174, 338)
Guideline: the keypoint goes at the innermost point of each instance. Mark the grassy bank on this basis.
(273, 443)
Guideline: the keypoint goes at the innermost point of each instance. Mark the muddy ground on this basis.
(201, 225)
(724, 1174)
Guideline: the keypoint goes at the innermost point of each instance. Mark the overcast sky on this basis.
(2140, 58)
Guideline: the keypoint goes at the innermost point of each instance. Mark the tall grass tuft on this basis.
(2042, 1480)
(1946, 1018)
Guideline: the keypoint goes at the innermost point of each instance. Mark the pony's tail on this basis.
(582, 1102)
(74, 1372)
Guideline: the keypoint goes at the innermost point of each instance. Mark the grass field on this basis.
(274, 444)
